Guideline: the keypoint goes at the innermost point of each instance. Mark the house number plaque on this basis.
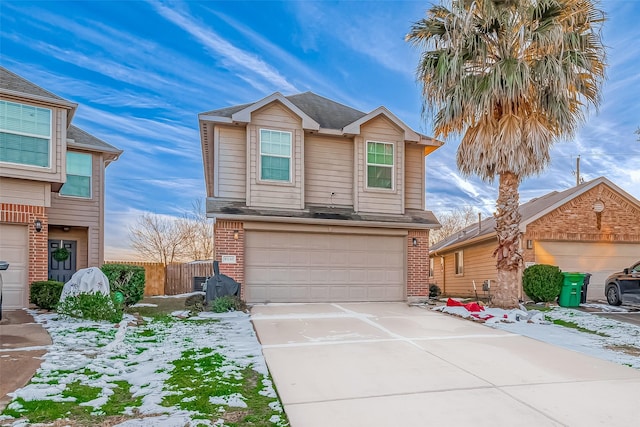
(228, 259)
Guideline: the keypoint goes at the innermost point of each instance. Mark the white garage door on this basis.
(599, 259)
(14, 250)
(315, 267)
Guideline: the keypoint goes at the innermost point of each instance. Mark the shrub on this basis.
(91, 306)
(227, 303)
(46, 293)
(127, 279)
(542, 283)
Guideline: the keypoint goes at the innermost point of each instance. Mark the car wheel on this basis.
(613, 296)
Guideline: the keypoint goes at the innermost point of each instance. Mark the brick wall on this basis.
(418, 264)
(226, 243)
(576, 220)
(38, 254)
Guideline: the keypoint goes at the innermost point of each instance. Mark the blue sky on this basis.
(142, 71)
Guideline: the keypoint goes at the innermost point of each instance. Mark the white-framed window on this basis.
(79, 173)
(275, 155)
(380, 163)
(459, 262)
(431, 264)
(25, 134)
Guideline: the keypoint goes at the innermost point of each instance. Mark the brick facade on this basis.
(229, 240)
(576, 221)
(38, 266)
(418, 264)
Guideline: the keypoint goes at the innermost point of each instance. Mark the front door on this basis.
(62, 269)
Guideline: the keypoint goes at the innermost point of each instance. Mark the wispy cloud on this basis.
(234, 58)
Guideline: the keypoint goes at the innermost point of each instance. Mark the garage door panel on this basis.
(307, 267)
(14, 250)
(598, 259)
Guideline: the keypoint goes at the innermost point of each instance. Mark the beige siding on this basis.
(231, 160)
(270, 194)
(479, 265)
(328, 169)
(378, 200)
(72, 211)
(24, 192)
(56, 170)
(414, 177)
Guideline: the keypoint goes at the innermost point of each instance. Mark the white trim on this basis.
(366, 166)
(244, 115)
(409, 134)
(290, 157)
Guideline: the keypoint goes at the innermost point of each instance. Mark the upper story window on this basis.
(275, 155)
(379, 165)
(459, 263)
(25, 134)
(78, 176)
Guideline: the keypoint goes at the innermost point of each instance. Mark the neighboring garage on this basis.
(14, 250)
(285, 266)
(599, 259)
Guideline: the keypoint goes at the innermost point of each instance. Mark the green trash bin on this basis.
(571, 289)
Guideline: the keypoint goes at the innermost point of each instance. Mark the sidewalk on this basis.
(22, 345)
(386, 364)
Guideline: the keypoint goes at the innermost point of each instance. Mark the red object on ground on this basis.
(473, 307)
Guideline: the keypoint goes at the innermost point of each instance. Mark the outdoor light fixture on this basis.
(37, 224)
(529, 244)
(66, 228)
(414, 241)
(236, 235)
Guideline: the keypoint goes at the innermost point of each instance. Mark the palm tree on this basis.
(511, 76)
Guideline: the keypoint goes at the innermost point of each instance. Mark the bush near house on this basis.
(92, 306)
(45, 293)
(542, 283)
(127, 279)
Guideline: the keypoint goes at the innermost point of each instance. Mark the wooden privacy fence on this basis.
(180, 276)
(154, 274)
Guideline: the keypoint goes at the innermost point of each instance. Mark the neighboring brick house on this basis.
(51, 188)
(591, 228)
(317, 201)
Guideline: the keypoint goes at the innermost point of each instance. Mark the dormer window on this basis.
(275, 155)
(25, 134)
(380, 165)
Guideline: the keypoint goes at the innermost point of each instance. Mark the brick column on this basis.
(38, 267)
(418, 264)
(229, 240)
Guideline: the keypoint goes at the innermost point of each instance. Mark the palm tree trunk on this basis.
(507, 253)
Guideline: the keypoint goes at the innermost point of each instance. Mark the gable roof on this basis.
(13, 84)
(78, 138)
(318, 113)
(530, 211)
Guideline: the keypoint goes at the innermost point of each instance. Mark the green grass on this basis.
(121, 399)
(573, 325)
(201, 374)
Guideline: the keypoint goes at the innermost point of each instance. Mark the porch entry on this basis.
(62, 269)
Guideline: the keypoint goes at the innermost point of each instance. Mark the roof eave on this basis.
(244, 115)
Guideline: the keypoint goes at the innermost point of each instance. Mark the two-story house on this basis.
(315, 201)
(51, 189)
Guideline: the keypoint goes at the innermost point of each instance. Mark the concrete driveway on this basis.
(388, 364)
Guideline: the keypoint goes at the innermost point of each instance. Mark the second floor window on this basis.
(275, 155)
(379, 165)
(78, 176)
(25, 134)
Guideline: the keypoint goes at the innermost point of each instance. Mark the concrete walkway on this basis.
(388, 364)
(22, 345)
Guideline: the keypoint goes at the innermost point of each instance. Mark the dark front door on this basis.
(59, 269)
